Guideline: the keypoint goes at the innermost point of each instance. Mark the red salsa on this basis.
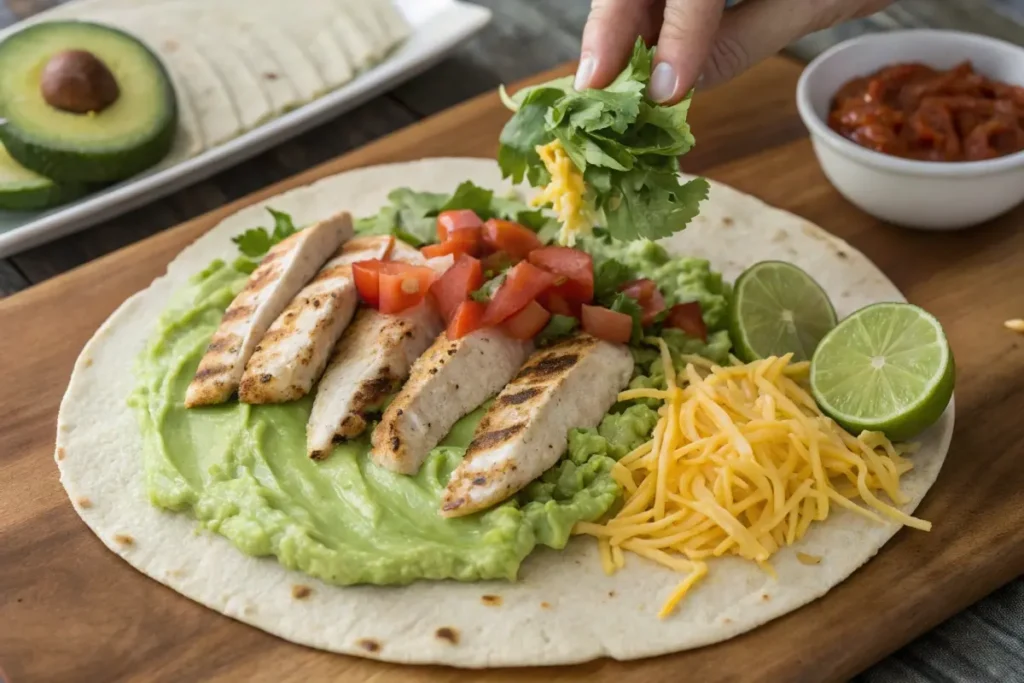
(917, 112)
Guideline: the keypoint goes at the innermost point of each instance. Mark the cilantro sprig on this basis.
(626, 146)
(412, 216)
(254, 243)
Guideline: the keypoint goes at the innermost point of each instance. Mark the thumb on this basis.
(687, 31)
(612, 28)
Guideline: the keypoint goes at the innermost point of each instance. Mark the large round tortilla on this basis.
(563, 609)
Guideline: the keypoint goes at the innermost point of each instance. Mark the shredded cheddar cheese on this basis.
(565, 192)
(741, 462)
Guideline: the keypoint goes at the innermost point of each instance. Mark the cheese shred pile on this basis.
(565, 192)
(741, 462)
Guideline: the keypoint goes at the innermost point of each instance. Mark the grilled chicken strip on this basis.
(370, 362)
(284, 270)
(293, 353)
(570, 384)
(447, 382)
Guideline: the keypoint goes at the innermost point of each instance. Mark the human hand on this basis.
(700, 39)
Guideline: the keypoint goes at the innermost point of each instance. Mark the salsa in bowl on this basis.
(892, 124)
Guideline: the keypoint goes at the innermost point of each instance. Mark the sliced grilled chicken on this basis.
(570, 384)
(294, 351)
(286, 268)
(369, 363)
(447, 382)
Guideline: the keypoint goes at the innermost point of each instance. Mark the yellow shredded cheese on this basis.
(565, 193)
(742, 462)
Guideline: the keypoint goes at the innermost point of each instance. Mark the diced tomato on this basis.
(647, 295)
(510, 237)
(453, 247)
(367, 277)
(450, 223)
(523, 283)
(468, 317)
(607, 324)
(403, 285)
(575, 265)
(641, 290)
(455, 286)
(558, 304)
(497, 262)
(689, 318)
(527, 323)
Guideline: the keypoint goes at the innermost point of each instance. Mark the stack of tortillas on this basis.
(238, 63)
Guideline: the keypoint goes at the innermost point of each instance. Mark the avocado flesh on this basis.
(132, 134)
(24, 190)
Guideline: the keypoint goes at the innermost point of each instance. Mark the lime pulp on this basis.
(777, 309)
(886, 368)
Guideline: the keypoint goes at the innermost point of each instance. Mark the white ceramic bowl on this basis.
(920, 194)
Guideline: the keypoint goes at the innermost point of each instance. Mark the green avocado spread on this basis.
(242, 471)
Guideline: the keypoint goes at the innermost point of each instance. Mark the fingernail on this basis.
(663, 83)
(585, 71)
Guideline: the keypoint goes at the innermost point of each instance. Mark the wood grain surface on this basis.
(72, 611)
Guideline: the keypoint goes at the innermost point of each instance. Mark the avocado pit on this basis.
(77, 81)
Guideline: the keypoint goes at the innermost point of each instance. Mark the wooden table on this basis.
(981, 644)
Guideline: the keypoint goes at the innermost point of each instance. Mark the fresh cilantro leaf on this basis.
(625, 145)
(653, 205)
(283, 226)
(559, 326)
(609, 275)
(517, 153)
(254, 242)
(487, 290)
(472, 197)
(629, 306)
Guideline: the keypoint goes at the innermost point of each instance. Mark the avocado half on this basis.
(24, 190)
(131, 134)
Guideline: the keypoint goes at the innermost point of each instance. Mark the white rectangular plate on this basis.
(438, 26)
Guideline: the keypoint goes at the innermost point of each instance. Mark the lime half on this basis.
(886, 368)
(778, 309)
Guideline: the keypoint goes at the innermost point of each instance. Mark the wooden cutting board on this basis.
(72, 611)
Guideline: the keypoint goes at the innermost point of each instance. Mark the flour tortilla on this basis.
(99, 456)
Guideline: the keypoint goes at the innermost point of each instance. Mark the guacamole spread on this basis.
(242, 471)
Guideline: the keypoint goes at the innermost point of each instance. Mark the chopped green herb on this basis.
(625, 145)
(558, 327)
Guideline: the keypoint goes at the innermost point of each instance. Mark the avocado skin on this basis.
(65, 164)
(72, 166)
(43, 197)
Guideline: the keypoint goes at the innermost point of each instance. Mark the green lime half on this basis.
(886, 368)
(778, 309)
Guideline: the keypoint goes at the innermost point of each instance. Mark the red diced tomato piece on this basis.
(367, 278)
(450, 223)
(526, 323)
(510, 237)
(453, 247)
(575, 265)
(455, 286)
(403, 286)
(558, 304)
(468, 317)
(523, 283)
(647, 295)
(607, 324)
(689, 318)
